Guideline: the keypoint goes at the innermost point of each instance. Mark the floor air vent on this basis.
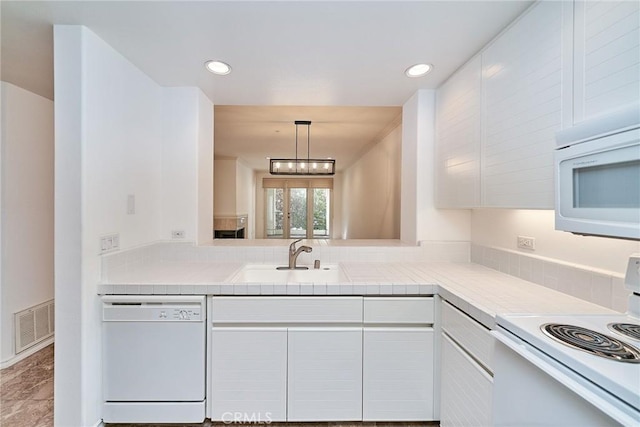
(34, 325)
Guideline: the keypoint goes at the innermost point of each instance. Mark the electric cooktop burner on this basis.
(592, 342)
(629, 329)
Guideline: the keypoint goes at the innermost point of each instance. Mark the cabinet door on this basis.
(466, 393)
(325, 374)
(398, 374)
(458, 108)
(249, 374)
(606, 56)
(523, 86)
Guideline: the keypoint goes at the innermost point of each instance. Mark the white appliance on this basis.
(541, 380)
(597, 172)
(154, 359)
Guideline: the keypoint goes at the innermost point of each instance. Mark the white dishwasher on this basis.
(153, 359)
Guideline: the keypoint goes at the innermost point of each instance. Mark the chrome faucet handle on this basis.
(292, 246)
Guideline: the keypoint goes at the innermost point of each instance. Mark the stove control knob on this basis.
(183, 315)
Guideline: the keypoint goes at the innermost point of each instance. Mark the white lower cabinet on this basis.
(325, 374)
(249, 374)
(466, 376)
(398, 374)
(321, 359)
(466, 389)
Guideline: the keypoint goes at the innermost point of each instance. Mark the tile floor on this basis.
(26, 399)
(26, 391)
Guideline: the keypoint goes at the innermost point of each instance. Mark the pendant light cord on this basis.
(308, 149)
(296, 147)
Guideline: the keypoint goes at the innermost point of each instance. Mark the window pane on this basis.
(275, 212)
(298, 213)
(321, 211)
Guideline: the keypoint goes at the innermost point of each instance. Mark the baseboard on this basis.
(28, 352)
(154, 412)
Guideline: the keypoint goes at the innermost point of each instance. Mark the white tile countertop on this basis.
(480, 291)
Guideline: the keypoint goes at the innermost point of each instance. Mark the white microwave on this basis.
(597, 176)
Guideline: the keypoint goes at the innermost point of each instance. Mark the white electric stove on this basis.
(569, 370)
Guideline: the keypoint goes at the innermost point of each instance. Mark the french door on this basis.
(298, 213)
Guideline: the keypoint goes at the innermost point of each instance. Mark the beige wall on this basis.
(234, 191)
(244, 188)
(245, 195)
(371, 192)
(27, 207)
(500, 228)
(224, 187)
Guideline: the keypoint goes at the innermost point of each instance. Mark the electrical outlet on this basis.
(177, 234)
(632, 277)
(528, 243)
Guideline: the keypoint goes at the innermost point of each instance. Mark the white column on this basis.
(420, 220)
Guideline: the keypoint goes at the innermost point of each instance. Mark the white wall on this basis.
(108, 145)
(420, 220)
(179, 130)
(27, 207)
(371, 192)
(117, 133)
(187, 158)
(500, 227)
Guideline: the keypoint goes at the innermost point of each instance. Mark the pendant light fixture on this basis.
(302, 166)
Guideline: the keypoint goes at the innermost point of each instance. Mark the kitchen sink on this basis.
(269, 273)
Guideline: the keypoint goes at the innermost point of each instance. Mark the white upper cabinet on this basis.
(606, 56)
(522, 88)
(458, 108)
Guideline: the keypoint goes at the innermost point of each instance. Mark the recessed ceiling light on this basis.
(418, 70)
(218, 67)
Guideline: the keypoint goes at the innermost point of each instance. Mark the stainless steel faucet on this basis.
(293, 256)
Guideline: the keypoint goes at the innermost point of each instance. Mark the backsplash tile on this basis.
(596, 286)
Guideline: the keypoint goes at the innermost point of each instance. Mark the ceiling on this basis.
(342, 133)
(283, 53)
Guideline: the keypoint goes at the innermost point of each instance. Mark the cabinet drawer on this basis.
(323, 310)
(402, 310)
(475, 338)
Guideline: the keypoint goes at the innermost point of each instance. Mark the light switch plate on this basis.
(131, 204)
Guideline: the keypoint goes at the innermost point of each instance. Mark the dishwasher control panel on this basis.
(180, 314)
(153, 309)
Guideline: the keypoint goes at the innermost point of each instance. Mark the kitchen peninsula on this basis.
(424, 295)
